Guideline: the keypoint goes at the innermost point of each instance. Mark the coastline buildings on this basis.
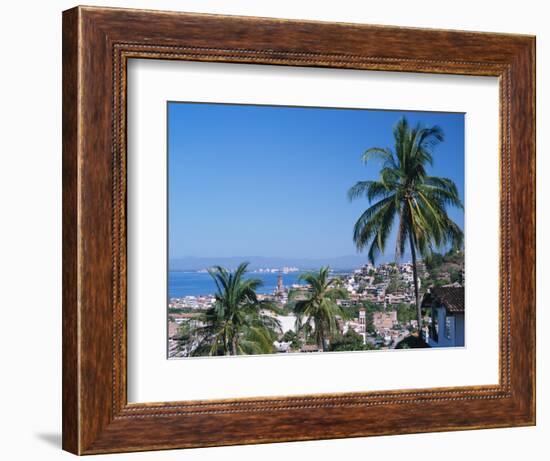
(384, 320)
(191, 302)
(374, 297)
(272, 270)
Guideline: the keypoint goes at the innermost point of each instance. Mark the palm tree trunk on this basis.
(415, 281)
(320, 338)
(234, 345)
(226, 349)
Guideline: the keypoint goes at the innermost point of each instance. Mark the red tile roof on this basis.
(450, 297)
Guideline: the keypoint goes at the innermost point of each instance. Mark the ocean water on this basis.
(199, 283)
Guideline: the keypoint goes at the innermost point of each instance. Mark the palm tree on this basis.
(237, 323)
(320, 309)
(407, 196)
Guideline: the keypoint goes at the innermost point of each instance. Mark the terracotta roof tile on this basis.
(450, 297)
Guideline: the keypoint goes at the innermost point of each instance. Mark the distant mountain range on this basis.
(258, 262)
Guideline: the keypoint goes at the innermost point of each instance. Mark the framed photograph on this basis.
(282, 230)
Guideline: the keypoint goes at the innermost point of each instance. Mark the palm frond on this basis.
(370, 222)
(380, 153)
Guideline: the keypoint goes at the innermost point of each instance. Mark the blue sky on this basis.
(272, 180)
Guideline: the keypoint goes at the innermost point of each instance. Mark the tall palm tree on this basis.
(237, 323)
(320, 309)
(407, 196)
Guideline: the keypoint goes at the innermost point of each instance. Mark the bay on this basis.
(182, 284)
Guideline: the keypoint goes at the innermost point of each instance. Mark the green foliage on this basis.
(405, 313)
(280, 310)
(180, 310)
(433, 261)
(297, 294)
(236, 323)
(184, 331)
(351, 312)
(455, 256)
(436, 263)
(405, 195)
(371, 307)
(456, 276)
(370, 325)
(351, 341)
(317, 315)
(293, 338)
(395, 285)
(310, 340)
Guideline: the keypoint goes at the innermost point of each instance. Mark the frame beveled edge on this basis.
(109, 423)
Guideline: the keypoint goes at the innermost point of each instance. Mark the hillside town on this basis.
(377, 309)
